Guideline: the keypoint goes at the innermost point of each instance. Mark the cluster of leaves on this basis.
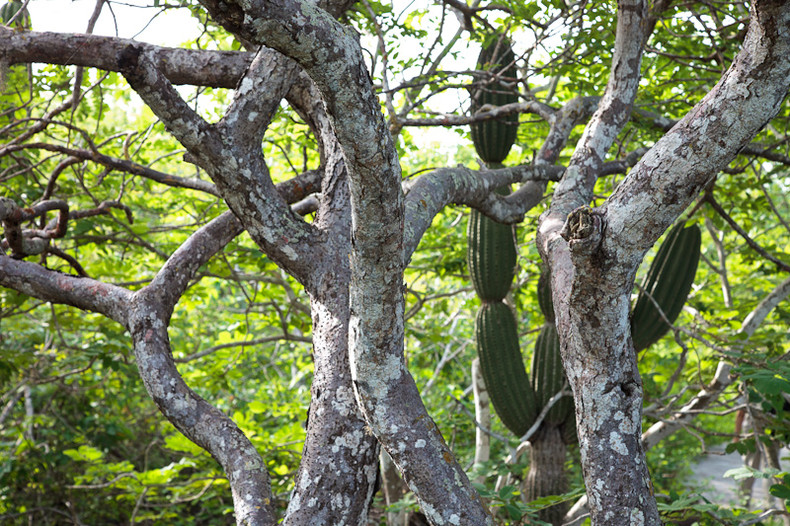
(76, 426)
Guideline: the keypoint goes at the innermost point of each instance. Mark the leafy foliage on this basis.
(77, 429)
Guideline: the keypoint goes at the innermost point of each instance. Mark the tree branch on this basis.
(753, 149)
(218, 69)
(682, 162)
(781, 265)
(233, 162)
(137, 64)
(50, 285)
(613, 112)
(258, 96)
(198, 420)
(122, 165)
(486, 113)
(428, 194)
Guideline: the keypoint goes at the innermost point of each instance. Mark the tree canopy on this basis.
(235, 274)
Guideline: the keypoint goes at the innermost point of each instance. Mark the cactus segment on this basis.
(491, 256)
(10, 9)
(493, 138)
(668, 281)
(502, 367)
(548, 376)
(544, 296)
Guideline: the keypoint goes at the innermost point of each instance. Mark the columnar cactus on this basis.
(491, 251)
(666, 285)
(502, 368)
(546, 474)
(494, 138)
(491, 255)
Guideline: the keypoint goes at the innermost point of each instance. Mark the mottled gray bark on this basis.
(339, 465)
(366, 230)
(84, 293)
(219, 69)
(594, 253)
(385, 390)
(149, 316)
(335, 481)
(592, 319)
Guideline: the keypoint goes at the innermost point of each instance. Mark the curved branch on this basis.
(138, 64)
(486, 113)
(50, 285)
(172, 279)
(766, 305)
(218, 69)
(198, 420)
(122, 165)
(753, 149)
(613, 112)
(204, 424)
(333, 58)
(29, 242)
(258, 96)
(235, 164)
(431, 192)
(682, 162)
(781, 265)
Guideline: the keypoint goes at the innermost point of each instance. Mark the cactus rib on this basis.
(503, 368)
(668, 282)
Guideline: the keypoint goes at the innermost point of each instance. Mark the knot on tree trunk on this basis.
(583, 230)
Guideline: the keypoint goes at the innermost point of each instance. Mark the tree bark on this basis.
(595, 255)
(339, 466)
(546, 475)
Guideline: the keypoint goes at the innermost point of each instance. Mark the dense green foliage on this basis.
(79, 437)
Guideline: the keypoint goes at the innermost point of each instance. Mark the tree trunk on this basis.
(546, 474)
(483, 417)
(340, 456)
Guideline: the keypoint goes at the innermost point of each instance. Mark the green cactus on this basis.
(491, 255)
(503, 368)
(493, 138)
(548, 375)
(546, 474)
(668, 281)
(544, 296)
